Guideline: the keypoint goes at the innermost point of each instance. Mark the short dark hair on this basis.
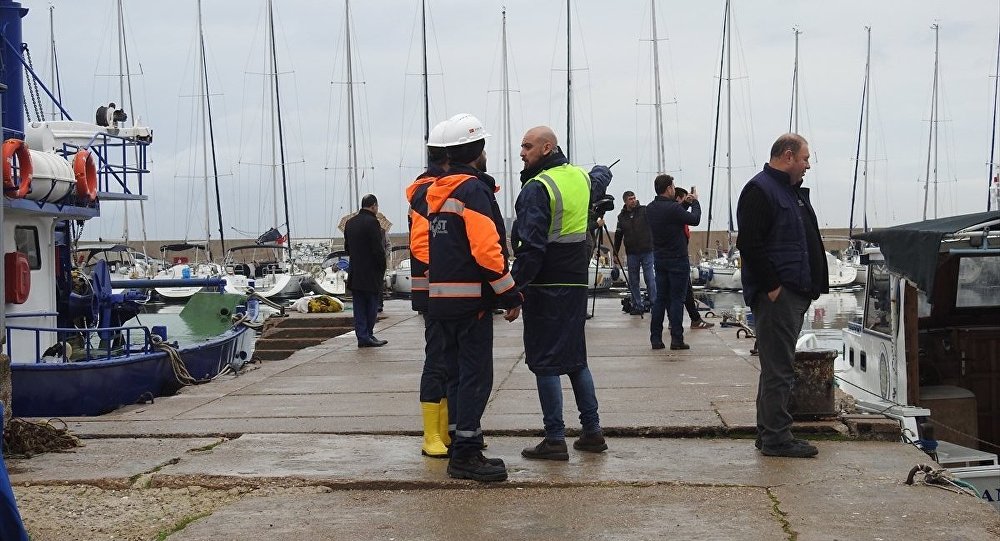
(679, 192)
(369, 201)
(662, 182)
(627, 194)
(788, 141)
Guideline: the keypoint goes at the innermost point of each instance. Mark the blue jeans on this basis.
(365, 313)
(635, 262)
(672, 280)
(550, 396)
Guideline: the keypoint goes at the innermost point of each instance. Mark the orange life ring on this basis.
(16, 147)
(85, 172)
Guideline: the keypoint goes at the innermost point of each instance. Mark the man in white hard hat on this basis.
(434, 378)
(468, 277)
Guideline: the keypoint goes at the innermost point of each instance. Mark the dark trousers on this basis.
(691, 306)
(778, 325)
(673, 276)
(434, 378)
(365, 313)
(467, 346)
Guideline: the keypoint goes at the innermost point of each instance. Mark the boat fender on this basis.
(17, 272)
(16, 147)
(85, 171)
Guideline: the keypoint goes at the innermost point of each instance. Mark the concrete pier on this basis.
(325, 445)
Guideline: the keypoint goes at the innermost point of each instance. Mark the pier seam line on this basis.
(781, 516)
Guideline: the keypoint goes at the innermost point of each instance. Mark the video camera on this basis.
(603, 204)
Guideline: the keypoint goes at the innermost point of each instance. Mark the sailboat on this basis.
(852, 256)
(199, 268)
(268, 268)
(331, 278)
(723, 272)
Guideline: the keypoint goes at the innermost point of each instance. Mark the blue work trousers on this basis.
(467, 349)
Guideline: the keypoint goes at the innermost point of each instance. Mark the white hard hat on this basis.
(436, 138)
(463, 128)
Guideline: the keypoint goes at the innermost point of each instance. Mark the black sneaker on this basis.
(679, 345)
(591, 442)
(791, 449)
(477, 468)
(547, 450)
(658, 345)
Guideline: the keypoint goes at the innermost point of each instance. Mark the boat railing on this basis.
(119, 160)
(113, 342)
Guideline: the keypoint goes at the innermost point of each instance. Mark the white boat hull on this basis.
(181, 271)
(332, 281)
(271, 286)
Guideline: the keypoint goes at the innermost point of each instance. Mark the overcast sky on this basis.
(612, 81)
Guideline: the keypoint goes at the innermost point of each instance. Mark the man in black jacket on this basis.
(784, 270)
(364, 242)
(667, 220)
(633, 228)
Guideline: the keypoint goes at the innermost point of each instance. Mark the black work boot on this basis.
(591, 442)
(477, 468)
(547, 450)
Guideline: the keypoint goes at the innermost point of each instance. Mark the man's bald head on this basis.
(536, 145)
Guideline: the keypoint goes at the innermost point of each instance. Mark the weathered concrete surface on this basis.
(651, 512)
(334, 416)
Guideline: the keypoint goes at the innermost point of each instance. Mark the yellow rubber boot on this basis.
(443, 423)
(433, 447)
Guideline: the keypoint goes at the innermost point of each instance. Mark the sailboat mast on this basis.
(932, 133)
(56, 85)
(505, 101)
(862, 134)
(569, 82)
(729, 122)
(867, 111)
(210, 140)
(122, 76)
(276, 109)
(993, 131)
(715, 135)
(793, 115)
(352, 166)
(658, 105)
(204, 133)
(427, 107)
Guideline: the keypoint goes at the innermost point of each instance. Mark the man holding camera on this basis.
(633, 228)
(550, 242)
(667, 220)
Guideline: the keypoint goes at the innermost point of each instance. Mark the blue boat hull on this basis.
(89, 388)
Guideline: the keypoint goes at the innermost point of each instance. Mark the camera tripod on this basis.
(601, 232)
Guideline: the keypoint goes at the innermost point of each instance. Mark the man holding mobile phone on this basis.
(667, 220)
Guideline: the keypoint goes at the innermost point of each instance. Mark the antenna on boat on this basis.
(932, 136)
(54, 61)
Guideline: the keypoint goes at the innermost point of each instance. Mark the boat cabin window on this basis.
(878, 304)
(978, 282)
(26, 240)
